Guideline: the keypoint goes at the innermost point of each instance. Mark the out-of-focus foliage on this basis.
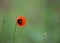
(43, 21)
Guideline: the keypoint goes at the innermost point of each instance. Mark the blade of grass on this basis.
(14, 34)
(3, 23)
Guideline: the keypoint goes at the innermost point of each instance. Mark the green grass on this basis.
(43, 23)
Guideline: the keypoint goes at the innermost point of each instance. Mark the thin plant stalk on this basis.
(4, 20)
(14, 34)
(3, 23)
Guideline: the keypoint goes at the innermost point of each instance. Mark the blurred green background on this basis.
(43, 21)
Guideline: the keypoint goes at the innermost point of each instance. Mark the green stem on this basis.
(3, 24)
(14, 34)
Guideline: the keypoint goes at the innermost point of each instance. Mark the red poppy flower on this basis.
(21, 21)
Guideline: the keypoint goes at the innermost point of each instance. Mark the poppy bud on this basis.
(21, 21)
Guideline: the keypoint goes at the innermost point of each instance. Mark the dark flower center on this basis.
(19, 21)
